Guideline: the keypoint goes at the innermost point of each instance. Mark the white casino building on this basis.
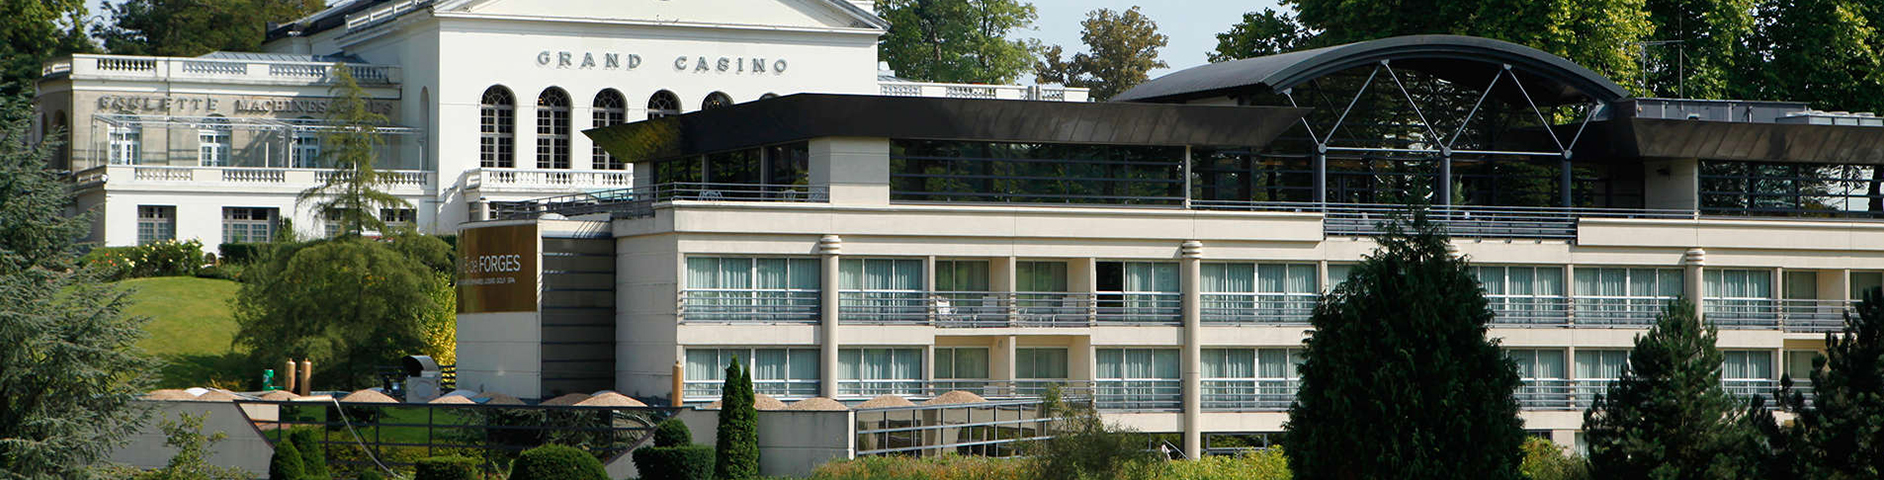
(485, 99)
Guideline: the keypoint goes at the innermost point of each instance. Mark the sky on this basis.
(1193, 25)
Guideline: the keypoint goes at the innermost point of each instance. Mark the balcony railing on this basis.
(1530, 311)
(640, 201)
(1807, 316)
(1748, 388)
(1617, 311)
(709, 390)
(1360, 219)
(748, 306)
(1257, 308)
(1248, 394)
(546, 180)
(1004, 92)
(124, 67)
(399, 181)
(1139, 308)
(1138, 394)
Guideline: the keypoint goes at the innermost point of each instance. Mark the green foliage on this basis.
(1829, 53)
(557, 462)
(285, 464)
(69, 371)
(672, 433)
(168, 258)
(452, 467)
(187, 28)
(956, 41)
(242, 253)
(369, 475)
(1085, 447)
(1668, 417)
(1712, 35)
(1259, 34)
(191, 462)
(736, 451)
(682, 462)
(36, 31)
(220, 272)
(348, 304)
(1405, 337)
(1544, 460)
(313, 454)
(1122, 48)
(945, 467)
(1269, 464)
(353, 195)
(1840, 434)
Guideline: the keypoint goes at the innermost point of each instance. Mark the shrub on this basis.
(161, 259)
(945, 467)
(452, 467)
(1268, 464)
(736, 448)
(241, 253)
(684, 462)
(221, 272)
(672, 433)
(1544, 460)
(370, 475)
(313, 454)
(286, 463)
(557, 462)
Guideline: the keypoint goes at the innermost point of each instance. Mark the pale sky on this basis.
(1193, 25)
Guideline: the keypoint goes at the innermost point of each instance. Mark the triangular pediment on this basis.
(812, 14)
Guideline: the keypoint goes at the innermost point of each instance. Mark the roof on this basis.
(1549, 79)
(282, 57)
(799, 117)
(335, 16)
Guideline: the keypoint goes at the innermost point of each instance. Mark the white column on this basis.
(1692, 263)
(1192, 278)
(829, 249)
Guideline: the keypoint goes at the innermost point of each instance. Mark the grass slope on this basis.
(191, 329)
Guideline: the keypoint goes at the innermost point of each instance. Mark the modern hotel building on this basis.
(858, 236)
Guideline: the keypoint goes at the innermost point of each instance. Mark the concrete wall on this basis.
(245, 448)
(791, 443)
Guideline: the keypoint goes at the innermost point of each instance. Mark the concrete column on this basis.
(1192, 279)
(1570, 296)
(1692, 262)
(1445, 177)
(829, 249)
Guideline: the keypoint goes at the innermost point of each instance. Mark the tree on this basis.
(959, 41)
(1825, 52)
(353, 194)
(313, 454)
(1668, 416)
(1259, 34)
(187, 28)
(35, 31)
(1403, 338)
(191, 462)
(1082, 445)
(285, 463)
(736, 448)
(70, 369)
(1840, 433)
(1711, 36)
(1122, 48)
(349, 304)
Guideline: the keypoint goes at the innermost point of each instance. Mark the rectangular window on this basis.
(990, 172)
(398, 218)
(1802, 285)
(781, 372)
(961, 362)
(961, 276)
(248, 224)
(1040, 363)
(1790, 189)
(156, 223)
(1338, 273)
(1538, 364)
(1250, 378)
(881, 290)
(331, 220)
(727, 289)
(876, 371)
(1601, 364)
(212, 147)
(1746, 365)
(1799, 365)
(1243, 292)
(1523, 294)
(1863, 283)
(306, 151)
(1137, 378)
(127, 145)
(1040, 276)
(1621, 295)
(1738, 296)
(1138, 292)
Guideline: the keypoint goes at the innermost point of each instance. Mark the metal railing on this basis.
(902, 307)
(1747, 388)
(784, 389)
(1248, 394)
(1138, 308)
(747, 306)
(994, 429)
(1365, 219)
(127, 67)
(961, 90)
(985, 388)
(640, 201)
(1617, 311)
(1545, 395)
(1810, 316)
(872, 388)
(1138, 394)
(1530, 311)
(1257, 308)
(1814, 316)
(400, 434)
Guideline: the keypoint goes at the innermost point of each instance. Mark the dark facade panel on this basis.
(1767, 142)
(805, 116)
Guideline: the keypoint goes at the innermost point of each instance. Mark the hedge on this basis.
(686, 462)
(672, 433)
(557, 462)
(313, 454)
(286, 462)
(451, 467)
(160, 259)
(241, 253)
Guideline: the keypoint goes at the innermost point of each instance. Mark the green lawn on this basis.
(190, 329)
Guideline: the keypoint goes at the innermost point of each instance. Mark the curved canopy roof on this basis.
(1549, 79)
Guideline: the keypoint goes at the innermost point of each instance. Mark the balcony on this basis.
(1001, 92)
(1249, 394)
(545, 180)
(1799, 316)
(1258, 308)
(1000, 309)
(212, 70)
(735, 306)
(627, 202)
(1144, 395)
(709, 390)
(403, 182)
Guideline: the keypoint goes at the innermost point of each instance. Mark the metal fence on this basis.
(640, 201)
(994, 429)
(357, 435)
(1471, 221)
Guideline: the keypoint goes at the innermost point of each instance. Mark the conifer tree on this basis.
(353, 193)
(1668, 416)
(285, 464)
(1840, 434)
(1398, 379)
(736, 450)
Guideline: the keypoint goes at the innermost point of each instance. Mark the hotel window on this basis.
(127, 145)
(961, 279)
(1338, 274)
(497, 128)
(1799, 365)
(780, 372)
(248, 225)
(332, 222)
(870, 372)
(1239, 292)
(212, 143)
(1521, 294)
(1790, 189)
(1748, 372)
(1242, 175)
(610, 109)
(1625, 295)
(306, 150)
(663, 104)
(156, 223)
(1738, 292)
(1250, 378)
(1596, 369)
(968, 363)
(881, 290)
(1863, 283)
(1137, 378)
(726, 289)
(1141, 292)
(398, 218)
(1048, 363)
(1040, 277)
(1542, 371)
(716, 100)
(552, 129)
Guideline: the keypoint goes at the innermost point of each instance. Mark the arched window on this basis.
(552, 129)
(716, 100)
(306, 151)
(212, 142)
(497, 128)
(663, 104)
(610, 109)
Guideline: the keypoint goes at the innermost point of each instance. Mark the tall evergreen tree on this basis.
(962, 41)
(70, 368)
(1398, 378)
(736, 448)
(1840, 433)
(1668, 416)
(1122, 48)
(353, 195)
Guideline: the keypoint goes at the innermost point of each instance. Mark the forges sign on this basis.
(497, 269)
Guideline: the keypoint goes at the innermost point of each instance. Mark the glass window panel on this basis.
(804, 364)
(1301, 278)
(970, 363)
(945, 363)
(1338, 273)
(850, 274)
(804, 274)
(1493, 279)
(1802, 285)
(1670, 281)
(908, 275)
(1865, 282)
(703, 364)
(1138, 363)
(1269, 278)
(768, 364)
(1550, 281)
(1111, 363)
(1521, 281)
(1165, 363)
(1550, 364)
(907, 362)
(1024, 359)
(1241, 363)
(850, 364)
(1216, 363)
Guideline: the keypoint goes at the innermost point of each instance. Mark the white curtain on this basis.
(703, 272)
(768, 364)
(1111, 363)
(1165, 363)
(1301, 279)
(1270, 278)
(804, 364)
(1601, 364)
(703, 364)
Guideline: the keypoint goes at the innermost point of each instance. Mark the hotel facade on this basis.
(761, 193)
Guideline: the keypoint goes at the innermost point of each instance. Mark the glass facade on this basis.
(990, 172)
(782, 372)
(1791, 189)
(877, 371)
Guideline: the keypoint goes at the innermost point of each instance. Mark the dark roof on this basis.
(1755, 142)
(1550, 80)
(805, 116)
(282, 57)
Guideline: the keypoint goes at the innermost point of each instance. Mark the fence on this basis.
(995, 429)
(401, 434)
